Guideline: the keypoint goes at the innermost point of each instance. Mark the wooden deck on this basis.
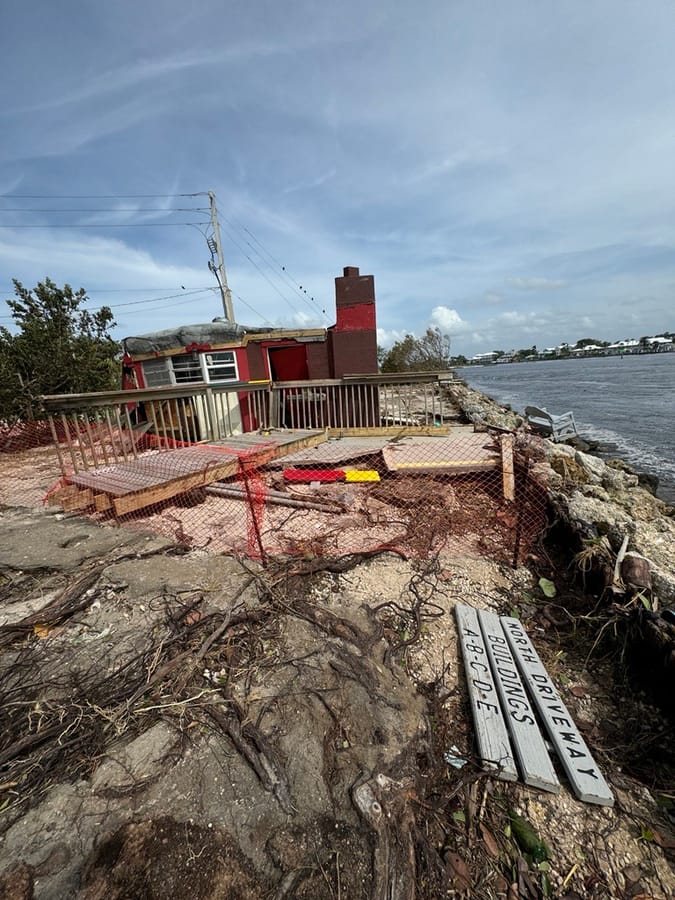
(466, 453)
(158, 476)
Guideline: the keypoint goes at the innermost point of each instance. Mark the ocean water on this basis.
(626, 403)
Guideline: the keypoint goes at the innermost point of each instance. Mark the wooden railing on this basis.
(103, 428)
(108, 427)
(361, 401)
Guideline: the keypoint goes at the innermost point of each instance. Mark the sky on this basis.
(506, 171)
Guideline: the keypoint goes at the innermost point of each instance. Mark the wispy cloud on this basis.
(310, 183)
(536, 284)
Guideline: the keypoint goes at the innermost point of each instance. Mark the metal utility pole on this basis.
(219, 269)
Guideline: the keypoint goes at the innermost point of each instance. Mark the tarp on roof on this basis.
(184, 335)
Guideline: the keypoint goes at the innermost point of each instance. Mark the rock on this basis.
(617, 481)
(594, 466)
(594, 490)
(606, 517)
(648, 482)
(136, 761)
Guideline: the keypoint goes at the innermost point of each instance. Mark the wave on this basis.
(643, 457)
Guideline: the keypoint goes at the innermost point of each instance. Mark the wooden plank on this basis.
(81, 500)
(492, 737)
(395, 431)
(131, 502)
(57, 497)
(283, 442)
(533, 757)
(585, 777)
(508, 475)
(102, 502)
(158, 477)
(464, 465)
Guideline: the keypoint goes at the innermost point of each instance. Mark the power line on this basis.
(264, 275)
(294, 282)
(155, 299)
(204, 290)
(259, 314)
(286, 278)
(90, 209)
(103, 225)
(94, 290)
(100, 196)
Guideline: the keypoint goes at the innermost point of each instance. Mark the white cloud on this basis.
(386, 338)
(493, 298)
(448, 320)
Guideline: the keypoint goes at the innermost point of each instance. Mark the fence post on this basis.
(214, 424)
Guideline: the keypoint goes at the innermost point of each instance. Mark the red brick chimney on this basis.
(354, 335)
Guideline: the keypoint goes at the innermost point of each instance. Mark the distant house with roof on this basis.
(628, 346)
(661, 344)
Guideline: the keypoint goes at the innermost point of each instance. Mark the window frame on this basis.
(207, 367)
(188, 363)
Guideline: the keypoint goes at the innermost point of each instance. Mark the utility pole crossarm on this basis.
(219, 271)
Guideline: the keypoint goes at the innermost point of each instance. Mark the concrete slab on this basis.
(41, 539)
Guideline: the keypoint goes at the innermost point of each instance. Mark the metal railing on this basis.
(100, 429)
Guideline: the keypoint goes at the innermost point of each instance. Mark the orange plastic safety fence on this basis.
(286, 493)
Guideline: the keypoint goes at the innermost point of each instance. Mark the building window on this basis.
(186, 368)
(221, 366)
(156, 372)
(190, 368)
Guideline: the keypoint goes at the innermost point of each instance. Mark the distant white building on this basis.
(589, 348)
(624, 345)
(661, 343)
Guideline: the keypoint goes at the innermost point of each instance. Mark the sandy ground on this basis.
(217, 724)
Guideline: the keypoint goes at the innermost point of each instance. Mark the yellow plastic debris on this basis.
(361, 475)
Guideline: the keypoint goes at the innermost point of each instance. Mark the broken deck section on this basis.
(470, 453)
(159, 476)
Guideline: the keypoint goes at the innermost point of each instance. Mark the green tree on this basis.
(428, 353)
(57, 348)
(588, 342)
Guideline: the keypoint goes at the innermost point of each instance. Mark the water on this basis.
(627, 402)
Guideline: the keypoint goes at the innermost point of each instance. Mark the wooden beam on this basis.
(492, 736)
(584, 775)
(57, 497)
(80, 500)
(102, 502)
(533, 757)
(397, 431)
(508, 476)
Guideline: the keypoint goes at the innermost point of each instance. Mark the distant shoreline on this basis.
(593, 354)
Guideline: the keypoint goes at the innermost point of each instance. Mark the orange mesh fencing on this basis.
(289, 492)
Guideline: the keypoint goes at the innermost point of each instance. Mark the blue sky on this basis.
(505, 170)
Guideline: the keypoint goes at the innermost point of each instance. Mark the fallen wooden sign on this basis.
(502, 669)
(584, 775)
(492, 736)
(533, 757)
